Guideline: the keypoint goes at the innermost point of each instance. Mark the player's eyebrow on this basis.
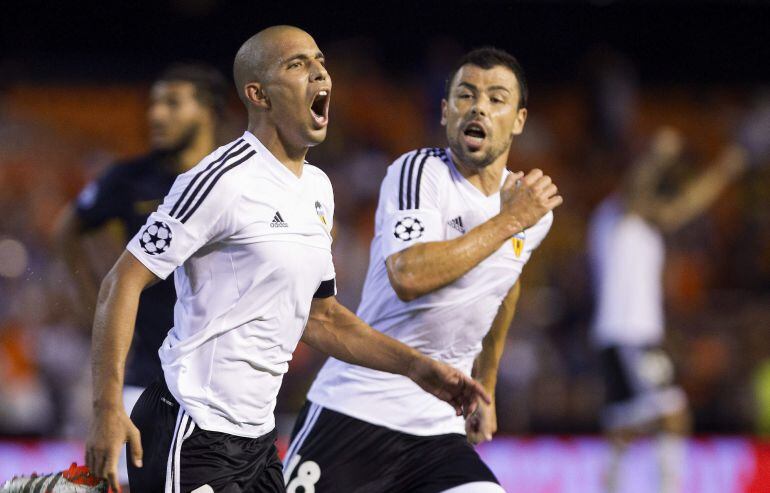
(303, 56)
(467, 85)
(499, 88)
(472, 87)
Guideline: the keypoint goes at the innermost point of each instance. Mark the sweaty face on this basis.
(481, 114)
(175, 115)
(299, 90)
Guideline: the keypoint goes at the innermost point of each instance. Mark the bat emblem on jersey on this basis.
(156, 238)
(319, 209)
(518, 243)
(408, 228)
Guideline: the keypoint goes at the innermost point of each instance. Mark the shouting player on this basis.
(453, 231)
(186, 102)
(246, 233)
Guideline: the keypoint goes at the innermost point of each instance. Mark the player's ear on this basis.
(256, 95)
(443, 111)
(518, 124)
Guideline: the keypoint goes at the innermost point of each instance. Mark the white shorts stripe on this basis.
(170, 461)
(312, 417)
(188, 426)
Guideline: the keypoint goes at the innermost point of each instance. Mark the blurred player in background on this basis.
(627, 252)
(454, 229)
(246, 233)
(186, 103)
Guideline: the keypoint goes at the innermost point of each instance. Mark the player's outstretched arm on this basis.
(700, 192)
(69, 247)
(482, 424)
(338, 332)
(113, 329)
(426, 267)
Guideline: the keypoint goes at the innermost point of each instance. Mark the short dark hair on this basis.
(210, 85)
(488, 57)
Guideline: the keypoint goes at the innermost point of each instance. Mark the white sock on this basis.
(671, 454)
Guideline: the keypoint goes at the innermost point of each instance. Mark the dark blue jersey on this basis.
(128, 192)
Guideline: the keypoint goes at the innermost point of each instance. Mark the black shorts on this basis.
(639, 386)
(181, 457)
(333, 452)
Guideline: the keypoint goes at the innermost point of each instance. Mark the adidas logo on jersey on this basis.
(457, 223)
(278, 221)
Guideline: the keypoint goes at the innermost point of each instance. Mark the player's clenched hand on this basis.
(110, 429)
(448, 384)
(524, 199)
(482, 424)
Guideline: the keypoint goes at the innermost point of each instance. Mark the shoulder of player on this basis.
(131, 167)
(430, 161)
(317, 173)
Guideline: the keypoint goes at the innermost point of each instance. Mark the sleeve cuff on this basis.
(326, 289)
(146, 263)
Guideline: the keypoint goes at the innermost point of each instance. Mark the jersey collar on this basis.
(268, 156)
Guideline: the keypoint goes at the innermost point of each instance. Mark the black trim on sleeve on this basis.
(419, 180)
(190, 185)
(325, 290)
(409, 180)
(214, 182)
(401, 183)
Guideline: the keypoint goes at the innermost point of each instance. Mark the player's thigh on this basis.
(228, 463)
(131, 394)
(156, 416)
(332, 452)
(438, 463)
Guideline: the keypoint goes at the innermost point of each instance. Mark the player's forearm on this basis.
(338, 332)
(112, 332)
(703, 190)
(426, 267)
(488, 361)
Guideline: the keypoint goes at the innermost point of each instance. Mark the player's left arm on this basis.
(338, 332)
(482, 424)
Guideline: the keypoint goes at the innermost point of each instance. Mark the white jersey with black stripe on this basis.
(627, 254)
(249, 243)
(424, 198)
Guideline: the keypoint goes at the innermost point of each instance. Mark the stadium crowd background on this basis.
(603, 76)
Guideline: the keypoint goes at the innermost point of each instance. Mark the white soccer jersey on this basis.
(424, 198)
(249, 244)
(627, 256)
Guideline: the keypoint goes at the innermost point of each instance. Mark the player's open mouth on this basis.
(319, 109)
(474, 135)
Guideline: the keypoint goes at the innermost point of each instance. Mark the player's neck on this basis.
(200, 147)
(487, 179)
(291, 157)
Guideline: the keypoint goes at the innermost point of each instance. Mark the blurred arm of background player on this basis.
(640, 191)
(482, 424)
(426, 267)
(70, 240)
(338, 332)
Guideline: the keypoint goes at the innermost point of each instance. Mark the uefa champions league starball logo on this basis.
(156, 238)
(408, 228)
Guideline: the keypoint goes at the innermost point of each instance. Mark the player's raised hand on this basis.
(482, 424)
(448, 384)
(524, 199)
(110, 429)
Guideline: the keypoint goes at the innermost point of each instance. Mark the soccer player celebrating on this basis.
(627, 252)
(186, 102)
(453, 231)
(246, 233)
